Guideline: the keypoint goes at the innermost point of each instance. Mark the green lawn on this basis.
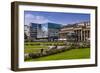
(31, 47)
(81, 53)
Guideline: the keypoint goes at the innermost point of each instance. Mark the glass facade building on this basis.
(44, 31)
(33, 31)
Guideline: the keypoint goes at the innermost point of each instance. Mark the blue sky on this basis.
(55, 17)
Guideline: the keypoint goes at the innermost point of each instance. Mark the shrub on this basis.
(34, 55)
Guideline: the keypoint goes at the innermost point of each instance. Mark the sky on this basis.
(54, 17)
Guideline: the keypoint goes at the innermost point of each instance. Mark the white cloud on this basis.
(29, 18)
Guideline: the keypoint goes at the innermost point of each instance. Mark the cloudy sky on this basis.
(55, 17)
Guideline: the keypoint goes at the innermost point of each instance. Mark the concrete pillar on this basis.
(81, 35)
(84, 34)
(78, 35)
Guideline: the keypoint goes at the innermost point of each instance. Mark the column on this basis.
(81, 35)
(84, 35)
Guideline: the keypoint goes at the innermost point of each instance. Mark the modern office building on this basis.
(33, 31)
(48, 31)
(77, 32)
(53, 31)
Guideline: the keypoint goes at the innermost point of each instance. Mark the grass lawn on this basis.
(81, 53)
(31, 47)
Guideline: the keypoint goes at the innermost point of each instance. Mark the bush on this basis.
(34, 55)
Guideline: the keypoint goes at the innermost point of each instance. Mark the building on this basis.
(33, 31)
(47, 31)
(53, 31)
(77, 32)
(26, 32)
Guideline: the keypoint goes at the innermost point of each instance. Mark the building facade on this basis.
(79, 32)
(26, 32)
(33, 31)
(48, 31)
(53, 31)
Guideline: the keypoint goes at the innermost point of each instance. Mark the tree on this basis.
(25, 36)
